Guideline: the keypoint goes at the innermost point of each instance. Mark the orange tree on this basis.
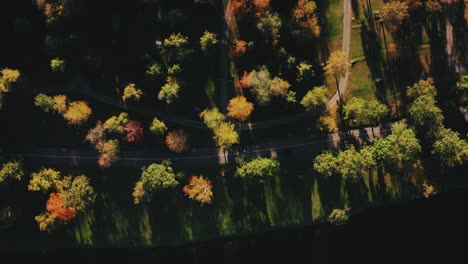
(199, 189)
(239, 108)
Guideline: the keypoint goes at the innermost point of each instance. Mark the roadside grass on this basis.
(360, 82)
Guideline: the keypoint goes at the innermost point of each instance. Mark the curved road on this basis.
(197, 157)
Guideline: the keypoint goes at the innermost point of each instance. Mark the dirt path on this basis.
(449, 49)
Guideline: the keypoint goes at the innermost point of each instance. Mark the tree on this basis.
(199, 189)
(108, 152)
(46, 222)
(174, 70)
(354, 108)
(77, 113)
(338, 217)
(337, 66)
(315, 98)
(57, 65)
(326, 164)
(225, 135)
(425, 114)
(304, 71)
(351, 164)
(375, 112)
(8, 77)
(169, 91)
(462, 84)
(429, 190)
(76, 192)
(279, 87)
(260, 82)
(60, 104)
(158, 127)
(240, 47)
(449, 148)
(239, 108)
(56, 208)
(261, 4)
(116, 124)
(96, 134)
(132, 93)
(257, 170)
(154, 71)
(423, 87)
(44, 102)
(11, 171)
(208, 41)
(44, 180)
(134, 131)
(177, 141)
(244, 81)
(399, 150)
(395, 12)
(212, 117)
(154, 178)
(175, 45)
(305, 16)
(433, 6)
(270, 25)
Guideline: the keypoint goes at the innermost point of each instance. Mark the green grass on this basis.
(334, 26)
(360, 82)
(355, 46)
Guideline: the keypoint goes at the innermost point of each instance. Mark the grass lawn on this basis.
(360, 82)
(334, 24)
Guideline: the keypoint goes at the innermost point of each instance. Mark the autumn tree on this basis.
(116, 124)
(256, 170)
(60, 104)
(174, 47)
(131, 93)
(46, 222)
(44, 102)
(240, 47)
(11, 171)
(270, 25)
(177, 141)
(354, 108)
(239, 108)
(108, 150)
(57, 65)
(154, 71)
(326, 164)
(338, 217)
(154, 178)
(315, 98)
(44, 180)
(279, 87)
(395, 12)
(260, 82)
(423, 87)
(169, 91)
(449, 148)
(432, 6)
(158, 127)
(212, 117)
(96, 134)
(304, 71)
(208, 41)
(337, 66)
(134, 131)
(305, 16)
(244, 81)
(7, 79)
(199, 189)
(77, 113)
(76, 192)
(225, 135)
(56, 208)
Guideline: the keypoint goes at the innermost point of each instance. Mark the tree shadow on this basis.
(373, 53)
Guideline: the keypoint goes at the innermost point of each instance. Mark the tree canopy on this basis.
(225, 135)
(239, 108)
(11, 171)
(315, 98)
(154, 178)
(256, 170)
(199, 189)
(212, 117)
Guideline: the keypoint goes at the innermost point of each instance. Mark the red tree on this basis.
(57, 209)
(244, 81)
(134, 131)
(240, 48)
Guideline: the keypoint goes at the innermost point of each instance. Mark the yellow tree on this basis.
(225, 135)
(337, 66)
(239, 108)
(395, 12)
(77, 113)
(8, 77)
(60, 103)
(131, 93)
(199, 189)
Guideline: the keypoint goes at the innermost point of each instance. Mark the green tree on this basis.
(11, 171)
(423, 87)
(212, 118)
(154, 178)
(169, 91)
(44, 102)
(76, 192)
(462, 84)
(260, 82)
(208, 41)
(375, 112)
(132, 93)
(44, 180)
(326, 164)
(270, 25)
(257, 170)
(174, 70)
(57, 65)
(338, 217)
(158, 127)
(225, 135)
(116, 124)
(154, 71)
(354, 109)
(315, 98)
(351, 164)
(425, 114)
(449, 148)
(304, 71)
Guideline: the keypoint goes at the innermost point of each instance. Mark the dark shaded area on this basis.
(421, 231)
